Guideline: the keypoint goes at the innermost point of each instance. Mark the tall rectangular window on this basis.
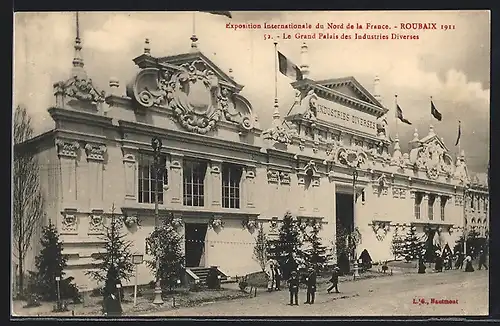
(147, 179)
(443, 205)
(194, 183)
(432, 198)
(418, 201)
(231, 177)
(472, 201)
(485, 204)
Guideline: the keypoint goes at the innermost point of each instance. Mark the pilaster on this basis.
(424, 207)
(249, 187)
(130, 176)
(215, 183)
(175, 183)
(95, 158)
(68, 152)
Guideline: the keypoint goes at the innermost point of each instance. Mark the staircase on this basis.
(202, 273)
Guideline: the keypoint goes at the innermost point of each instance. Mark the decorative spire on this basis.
(396, 155)
(376, 89)
(304, 65)
(431, 130)
(147, 47)
(231, 73)
(194, 44)
(415, 135)
(276, 114)
(78, 70)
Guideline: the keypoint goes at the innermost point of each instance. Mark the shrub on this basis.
(194, 287)
(33, 300)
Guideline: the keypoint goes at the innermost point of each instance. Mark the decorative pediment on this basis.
(198, 93)
(188, 58)
(352, 88)
(432, 156)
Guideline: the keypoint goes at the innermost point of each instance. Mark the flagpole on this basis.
(396, 113)
(275, 71)
(194, 22)
(430, 117)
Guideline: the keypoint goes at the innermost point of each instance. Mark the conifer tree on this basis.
(261, 247)
(317, 254)
(397, 246)
(50, 263)
(288, 245)
(166, 244)
(115, 264)
(412, 245)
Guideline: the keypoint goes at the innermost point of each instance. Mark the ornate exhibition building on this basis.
(330, 160)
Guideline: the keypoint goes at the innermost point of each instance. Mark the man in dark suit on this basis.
(482, 259)
(334, 280)
(311, 286)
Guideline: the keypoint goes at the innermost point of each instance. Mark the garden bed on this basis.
(93, 305)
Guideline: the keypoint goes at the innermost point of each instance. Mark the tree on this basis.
(28, 208)
(397, 247)
(412, 245)
(115, 264)
(50, 263)
(260, 248)
(165, 244)
(316, 255)
(287, 248)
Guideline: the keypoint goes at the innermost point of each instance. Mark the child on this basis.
(293, 286)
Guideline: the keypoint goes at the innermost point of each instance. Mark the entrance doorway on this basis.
(430, 248)
(195, 234)
(344, 226)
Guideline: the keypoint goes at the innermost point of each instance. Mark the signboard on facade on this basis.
(338, 114)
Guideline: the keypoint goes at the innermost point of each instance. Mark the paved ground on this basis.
(388, 296)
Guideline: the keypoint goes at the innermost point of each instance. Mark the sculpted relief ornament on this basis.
(80, 89)
(194, 94)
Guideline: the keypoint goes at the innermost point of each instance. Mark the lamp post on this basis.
(137, 259)
(156, 145)
(354, 179)
(58, 280)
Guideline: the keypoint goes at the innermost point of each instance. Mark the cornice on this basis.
(80, 136)
(190, 211)
(182, 136)
(80, 117)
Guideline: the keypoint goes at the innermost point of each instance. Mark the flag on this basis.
(221, 13)
(435, 113)
(288, 68)
(459, 133)
(399, 115)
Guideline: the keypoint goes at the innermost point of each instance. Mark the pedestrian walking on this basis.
(277, 276)
(334, 280)
(468, 264)
(293, 287)
(421, 265)
(112, 305)
(311, 286)
(482, 259)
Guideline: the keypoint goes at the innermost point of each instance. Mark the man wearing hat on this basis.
(334, 280)
(293, 286)
(311, 286)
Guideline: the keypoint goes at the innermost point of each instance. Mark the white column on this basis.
(248, 190)
(130, 172)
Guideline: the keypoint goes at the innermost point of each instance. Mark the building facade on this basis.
(330, 160)
(477, 209)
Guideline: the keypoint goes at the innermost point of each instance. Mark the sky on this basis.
(452, 66)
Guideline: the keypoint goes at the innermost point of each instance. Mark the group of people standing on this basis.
(445, 261)
(275, 274)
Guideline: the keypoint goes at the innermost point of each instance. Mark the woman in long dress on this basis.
(269, 270)
(468, 264)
